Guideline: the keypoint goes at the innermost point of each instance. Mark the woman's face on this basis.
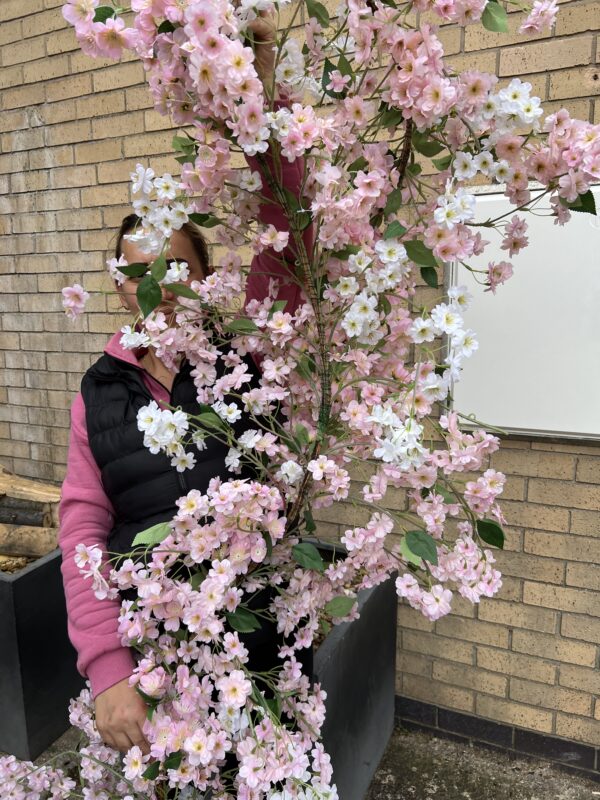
(180, 249)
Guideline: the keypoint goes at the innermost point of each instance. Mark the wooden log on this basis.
(41, 516)
(23, 540)
(28, 489)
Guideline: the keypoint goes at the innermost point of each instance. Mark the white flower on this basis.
(484, 161)
(421, 330)
(148, 417)
(383, 415)
(143, 206)
(115, 273)
(364, 306)
(229, 412)
(183, 461)
(166, 187)
(291, 472)
(358, 262)
(250, 180)
(141, 179)
(446, 318)
(460, 297)
(347, 286)
(131, 339)
(464, 166)
(390, 251)
(465, 343)
(249, 438)
(199, 439)
(502, 171)
(232, 459)
(178, 271)
(149, 241)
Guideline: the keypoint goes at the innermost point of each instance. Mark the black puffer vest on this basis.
(141, 486)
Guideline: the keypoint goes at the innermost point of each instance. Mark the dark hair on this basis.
(191, 230)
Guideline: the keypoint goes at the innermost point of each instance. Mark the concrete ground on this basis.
(417, 766)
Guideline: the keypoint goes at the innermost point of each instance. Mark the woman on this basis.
(114, 488)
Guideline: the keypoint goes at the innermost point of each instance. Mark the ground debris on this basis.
(13, 563)
(418, 766)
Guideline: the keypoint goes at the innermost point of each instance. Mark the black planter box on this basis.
(37, 662)
(356, 665)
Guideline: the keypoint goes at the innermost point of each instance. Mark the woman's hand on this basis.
(262, 32)
(120, 716)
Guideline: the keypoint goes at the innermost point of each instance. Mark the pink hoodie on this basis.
(86, 514)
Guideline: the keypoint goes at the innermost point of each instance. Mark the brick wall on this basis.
(71, 129)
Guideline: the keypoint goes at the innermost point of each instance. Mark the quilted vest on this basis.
(141, 486)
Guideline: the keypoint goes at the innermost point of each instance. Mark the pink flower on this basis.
(79, 13)
(497, 274)
(112, 37)
(541, 17)
(74, 299)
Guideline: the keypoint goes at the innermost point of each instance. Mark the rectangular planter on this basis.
(38, 675)
(356, 665)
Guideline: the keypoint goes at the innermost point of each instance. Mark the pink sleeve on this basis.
(86, 516)
(269, 264)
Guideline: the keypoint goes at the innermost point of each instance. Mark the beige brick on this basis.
(22, 140)
(413, 663)
(517, 664)
(148, 144)
(30, 181)
(562, 598)
(46, 68)
(583, 575)
(138, 97)
(534, 567)
(421, 688)
(27, 397)
(538, 694)
(27, 50)
(98, 105)
(411, 618)
(115, 77)
(588, 680)
(578, 728)
(73, 86)
(38, 222)
(118, 125)
(532, 463)
(513, 713)
(105, 195)
(46, 22)
(432, 645)
(69, 132)
(588, 469)
(10, 31)
(574, 83)
(22, 96)
(580, 548)
(79, 219)
(579, 626)
(578, 17)
(575, 446)
(478, 38)
(94, 152)
(62, 42)
(73, 176)
(483, 61)
(554, 647)
(61, 156)
(540, 517)
(470, 678)
(577, 495)
(473, 631)
(544, 56)
(517, 615)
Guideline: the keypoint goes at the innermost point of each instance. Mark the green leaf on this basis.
(491, 532)
(241, 325)
(318, 11)
(158, 268)
(448, 496)
(305, 367)
(430, 276)
(165, 27)
(301, 434)
(153, 535)
(414, 169)
(349, 250)
(360, 163)
(151, 771)
(583, 203)
(391, 118)
(307, 555)
(409, 555)
(278, 305)
(394, 230)
(340, 606)
(148, 295)
(205, 220)
(423, 545)
(103, 13)
(197, 579)
(173, 760)
(310, 524)
(274, 705)
(494, 17)
(182, 143)
(243, 621)
(134, 270)
(425, 145)
(210, 419)
(420, 253)
(182, 290)
(385, 304)
(328, 68)
(443, 162)
(394, 201)
(269, 542)
(344, 66)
